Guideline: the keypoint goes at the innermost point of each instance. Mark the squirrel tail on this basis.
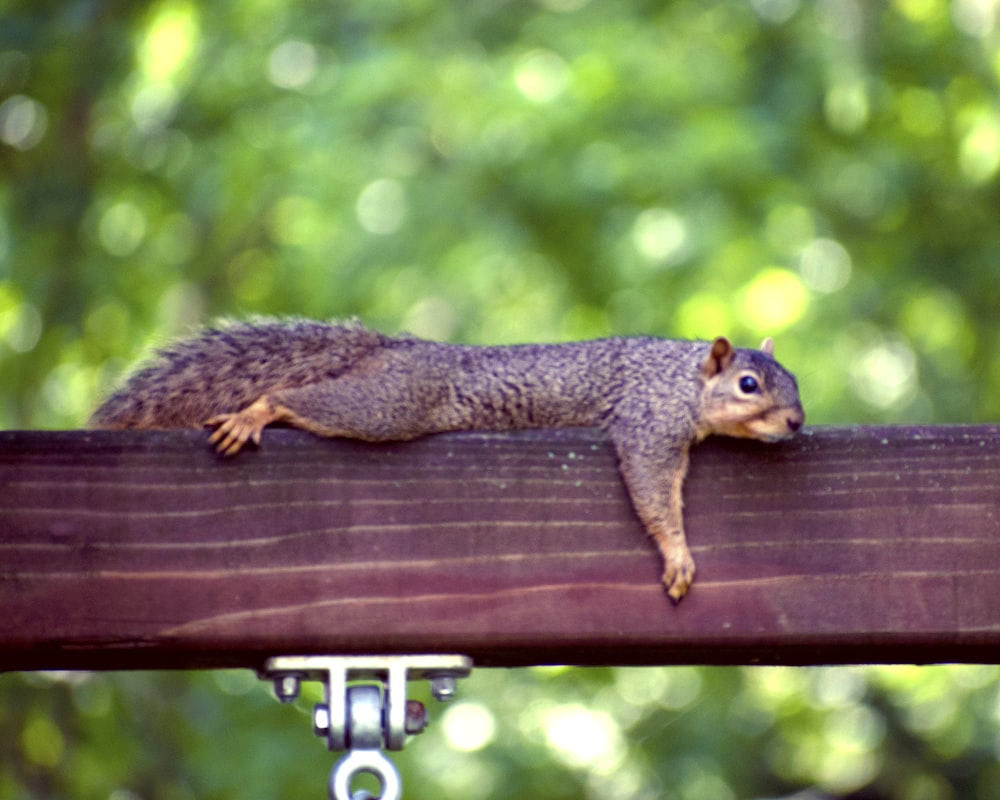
(228, 366)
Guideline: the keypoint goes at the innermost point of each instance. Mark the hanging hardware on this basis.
(370, 713)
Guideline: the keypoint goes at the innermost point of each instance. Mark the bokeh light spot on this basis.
(825, 265)
(23, 122)
(468, 726)
(773, 301)
(122, 228)
(292, 64)
(170, 40)
(381, 206)
(541, 76)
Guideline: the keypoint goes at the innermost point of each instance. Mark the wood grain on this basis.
(132, 550)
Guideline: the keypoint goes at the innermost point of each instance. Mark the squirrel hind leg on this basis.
(336, 408)
(232, 431)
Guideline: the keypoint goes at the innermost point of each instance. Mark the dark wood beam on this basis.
(135, 550)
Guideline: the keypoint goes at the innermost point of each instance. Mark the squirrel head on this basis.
(748, 394)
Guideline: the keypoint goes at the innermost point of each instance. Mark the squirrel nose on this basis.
(794, 423)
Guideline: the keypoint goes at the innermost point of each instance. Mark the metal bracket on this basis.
(369, 714)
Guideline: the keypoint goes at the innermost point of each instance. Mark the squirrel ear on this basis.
(719, 358)
(767, 347)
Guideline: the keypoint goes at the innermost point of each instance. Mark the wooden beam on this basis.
(132, 550)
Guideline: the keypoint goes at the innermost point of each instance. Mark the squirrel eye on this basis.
(748, 384)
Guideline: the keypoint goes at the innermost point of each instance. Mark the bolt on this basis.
(443, 686)
(321, 719)
(286, 688)
(416, 717)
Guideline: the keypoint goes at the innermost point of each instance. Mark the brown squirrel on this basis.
(654, 397)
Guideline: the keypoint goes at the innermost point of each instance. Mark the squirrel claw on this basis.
(235, 430)
(232, 432)
(678, 575)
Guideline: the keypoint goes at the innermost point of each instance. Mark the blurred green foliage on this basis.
(495, 171)
(689, 733)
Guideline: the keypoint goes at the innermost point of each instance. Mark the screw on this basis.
(443, 686)
(416, 717)
(321, 719)
(286, 688)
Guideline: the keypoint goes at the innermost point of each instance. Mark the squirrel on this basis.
(654, 397)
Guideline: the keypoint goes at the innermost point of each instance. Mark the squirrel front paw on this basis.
(678, 573)
(235, 430)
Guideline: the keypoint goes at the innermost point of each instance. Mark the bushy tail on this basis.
(224, 369)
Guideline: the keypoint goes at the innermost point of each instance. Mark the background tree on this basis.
(512, 171)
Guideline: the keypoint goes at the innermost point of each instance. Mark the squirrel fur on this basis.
(654, 397)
